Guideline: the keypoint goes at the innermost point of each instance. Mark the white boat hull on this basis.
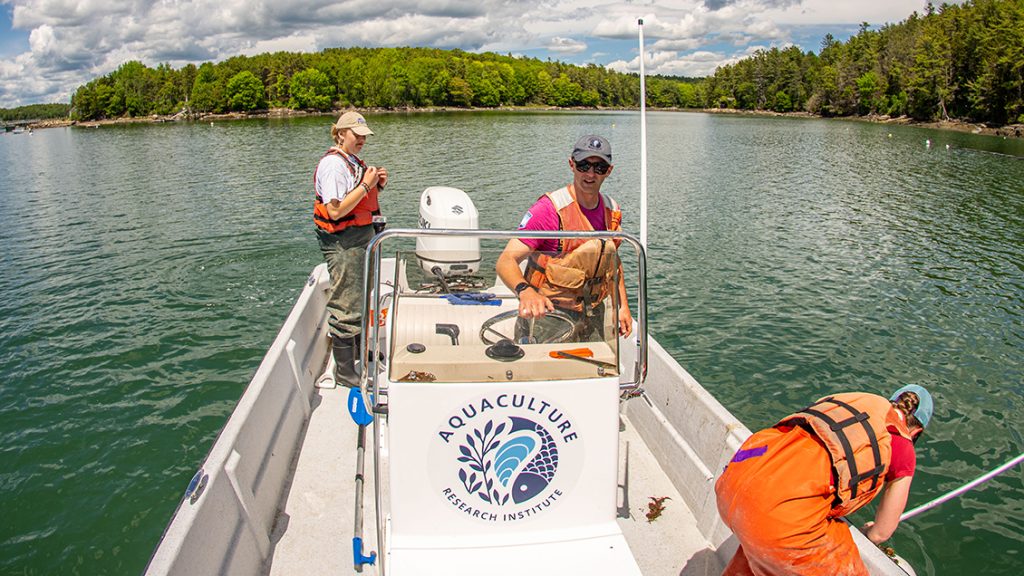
(279, 490)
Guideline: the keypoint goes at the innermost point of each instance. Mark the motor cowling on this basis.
(449, 208)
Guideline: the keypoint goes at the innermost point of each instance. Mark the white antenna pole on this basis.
(643, 142)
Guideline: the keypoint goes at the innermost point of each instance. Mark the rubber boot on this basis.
(357, 347)
(344, 362)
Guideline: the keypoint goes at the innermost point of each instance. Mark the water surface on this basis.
(147, 268)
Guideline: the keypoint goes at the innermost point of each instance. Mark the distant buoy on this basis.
(947, 146)
(211, 123)
(928, 143)
(890, 135)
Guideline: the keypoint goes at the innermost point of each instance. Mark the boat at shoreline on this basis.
(490, 455)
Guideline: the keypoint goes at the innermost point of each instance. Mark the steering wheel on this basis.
(565, 323)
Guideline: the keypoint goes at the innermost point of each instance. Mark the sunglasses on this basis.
(599, 167)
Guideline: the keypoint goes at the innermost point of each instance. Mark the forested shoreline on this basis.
(961, 62)
(377, 78)
(34, 112)
(954, 62)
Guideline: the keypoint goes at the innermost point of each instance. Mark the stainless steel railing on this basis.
(368, 380)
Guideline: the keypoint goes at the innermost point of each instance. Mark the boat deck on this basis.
(276, 493)
(313, 533)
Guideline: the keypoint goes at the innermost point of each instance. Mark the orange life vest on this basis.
(584, 271)
(361, 214)
(853, 428)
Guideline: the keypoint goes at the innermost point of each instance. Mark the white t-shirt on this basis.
(333, 179)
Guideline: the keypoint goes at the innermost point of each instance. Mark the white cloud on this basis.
(874, 12)
(70, 42)
(668, 24)
(695, 64)
(561, 45)
(764, 29)
(41, 40)
(680, 44)
(293, 43)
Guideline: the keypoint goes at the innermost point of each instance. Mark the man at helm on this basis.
(572, 275)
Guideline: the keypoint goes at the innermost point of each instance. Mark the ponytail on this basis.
(337, 134)
(907, 403)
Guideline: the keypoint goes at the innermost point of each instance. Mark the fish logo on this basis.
(512, 459)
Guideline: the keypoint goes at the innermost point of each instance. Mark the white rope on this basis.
(962, 489)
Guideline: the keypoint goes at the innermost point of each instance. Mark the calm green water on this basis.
(146, 269)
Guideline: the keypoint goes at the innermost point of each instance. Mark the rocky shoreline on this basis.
(1008, 131)
(180, 117)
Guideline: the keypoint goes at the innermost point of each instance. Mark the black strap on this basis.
(600, 255)
(589, 283)
(533, 265)
(560, 228)
(856, 417)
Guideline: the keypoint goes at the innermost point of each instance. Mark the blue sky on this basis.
(12, 42)
(50, 47)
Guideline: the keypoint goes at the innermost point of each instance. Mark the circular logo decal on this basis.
(506, 458)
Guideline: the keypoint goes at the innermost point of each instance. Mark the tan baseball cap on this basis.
(354, 121)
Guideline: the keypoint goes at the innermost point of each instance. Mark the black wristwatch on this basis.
(520, 287)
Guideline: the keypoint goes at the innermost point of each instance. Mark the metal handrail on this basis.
(371, 289)
(371, 296)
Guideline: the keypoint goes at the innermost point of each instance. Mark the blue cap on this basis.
(924, 406)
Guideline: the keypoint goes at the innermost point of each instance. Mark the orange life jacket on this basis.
(584, 271)
(361, 214)
(853, 428)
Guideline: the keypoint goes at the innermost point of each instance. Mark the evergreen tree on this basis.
(964, 61)
(207, 91)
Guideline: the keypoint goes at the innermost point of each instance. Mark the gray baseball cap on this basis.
(592, 145)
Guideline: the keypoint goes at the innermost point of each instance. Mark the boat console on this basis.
(491, 446)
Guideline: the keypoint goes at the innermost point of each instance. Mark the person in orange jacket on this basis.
(345, 203)
(589, 271)
(787, 489)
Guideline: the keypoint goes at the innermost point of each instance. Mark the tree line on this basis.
(366, 78)
(955, 61)
(34, 112)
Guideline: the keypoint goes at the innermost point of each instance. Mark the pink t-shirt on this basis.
(543, 216)
(903, 461)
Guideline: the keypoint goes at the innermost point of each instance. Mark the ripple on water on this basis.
(788, 259)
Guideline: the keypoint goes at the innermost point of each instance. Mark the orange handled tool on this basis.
(578, 352)
(583, 355)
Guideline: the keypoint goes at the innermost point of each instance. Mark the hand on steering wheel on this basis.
(533, 304)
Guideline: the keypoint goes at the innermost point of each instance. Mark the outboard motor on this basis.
(445, 207)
